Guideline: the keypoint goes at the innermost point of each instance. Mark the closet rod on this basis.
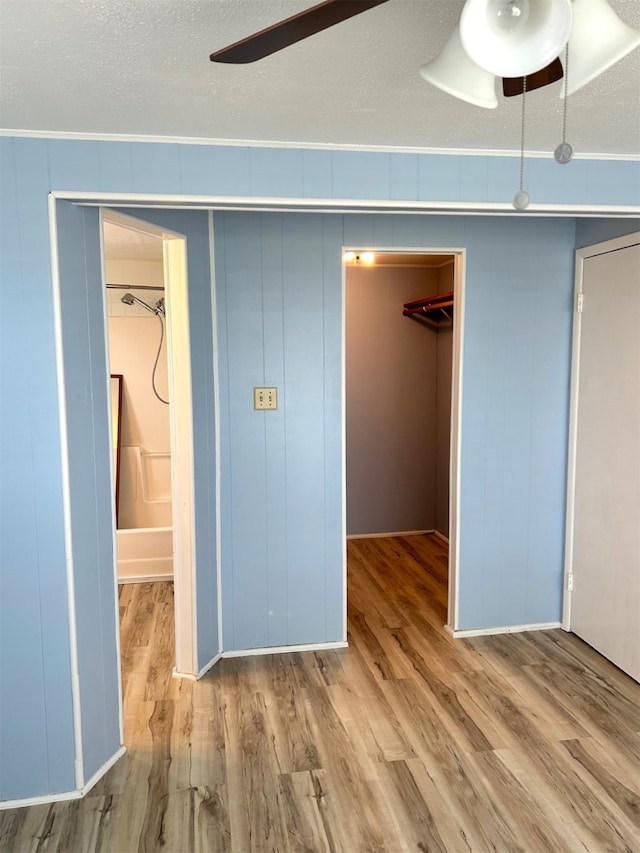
(133, 287)
(408, 312)
(436, 300)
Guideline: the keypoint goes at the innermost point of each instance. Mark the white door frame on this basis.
(460, 259)
(181, 419)
(581, 256)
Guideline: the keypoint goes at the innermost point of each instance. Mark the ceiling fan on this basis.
(512, 39)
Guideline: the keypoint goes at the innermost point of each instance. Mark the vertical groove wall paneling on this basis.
(305, 434)
(23, 737)
(518, 323)
(89, 445)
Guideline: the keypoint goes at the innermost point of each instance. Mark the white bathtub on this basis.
(145, 554)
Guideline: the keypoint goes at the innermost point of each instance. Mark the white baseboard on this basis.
(214, 660)
(505, 629)
(283, 650)
(63, 796)
(141, 569)
(97, 776)
(389, 535)
(40, 801)
(441, 536)
(268, 650)
(189, 676)
(145, 578)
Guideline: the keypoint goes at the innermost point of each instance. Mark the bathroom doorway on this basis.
(147, 336)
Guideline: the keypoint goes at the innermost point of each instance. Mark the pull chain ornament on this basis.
(564, 151)
(521, 198)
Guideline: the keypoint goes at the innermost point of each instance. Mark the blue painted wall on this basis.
(279, 300)
(89, 443)
(591, 231)
(280, 285)
(35, 731)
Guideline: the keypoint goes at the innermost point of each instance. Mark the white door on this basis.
(605, 602)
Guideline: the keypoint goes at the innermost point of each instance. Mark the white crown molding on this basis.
(313, 146)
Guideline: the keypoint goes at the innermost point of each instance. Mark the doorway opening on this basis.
(134, 272)
(402, 386)
(147, 340)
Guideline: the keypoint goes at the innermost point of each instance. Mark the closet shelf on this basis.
(431, 307)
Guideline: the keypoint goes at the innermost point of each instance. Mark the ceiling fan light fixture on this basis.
(513, 38)
(457, 74)
(598, 40)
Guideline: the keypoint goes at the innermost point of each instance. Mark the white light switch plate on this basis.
(265, 398)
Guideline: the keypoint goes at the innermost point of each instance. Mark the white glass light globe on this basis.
(513, 38)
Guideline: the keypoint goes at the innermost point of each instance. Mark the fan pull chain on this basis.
(564, 151)
(521, 198)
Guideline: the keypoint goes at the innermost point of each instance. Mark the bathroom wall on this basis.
(145, 457)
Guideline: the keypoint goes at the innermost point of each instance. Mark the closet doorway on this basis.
(402, 383)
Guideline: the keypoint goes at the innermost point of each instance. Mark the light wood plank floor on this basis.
(406, 741)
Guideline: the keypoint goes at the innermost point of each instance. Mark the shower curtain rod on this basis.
(134, 287)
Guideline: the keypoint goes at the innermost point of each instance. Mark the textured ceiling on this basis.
(141, 67)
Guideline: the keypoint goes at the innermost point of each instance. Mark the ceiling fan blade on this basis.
(512, 86)
(292, 30)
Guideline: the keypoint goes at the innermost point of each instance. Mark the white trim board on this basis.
(505, 629)
(76, 794)
(112, 474)
(66, 495)
(441, 536)
(216, 406)
(181, 201)
(455, 436)
(178, 327)
(343, 441)
(205, 669)
(267, 650)
(389, 535)
(284, 650)
(145, 578)
(318, 146)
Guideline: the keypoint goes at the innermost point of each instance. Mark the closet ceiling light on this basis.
(359, 258)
